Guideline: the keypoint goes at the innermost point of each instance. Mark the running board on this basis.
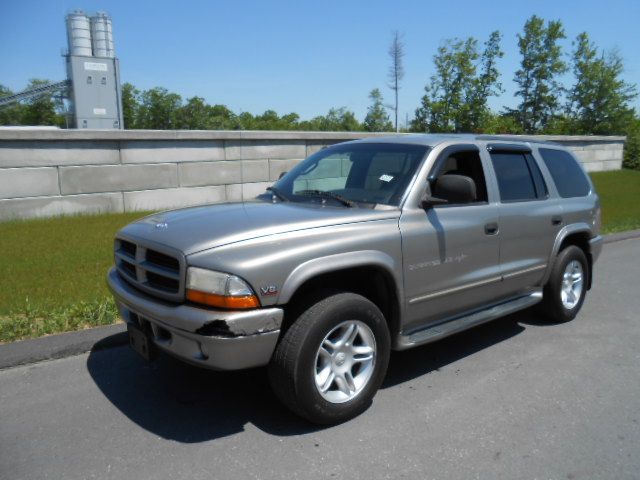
(458, 324)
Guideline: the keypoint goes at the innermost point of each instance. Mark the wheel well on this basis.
(373, 283)
(580, 240)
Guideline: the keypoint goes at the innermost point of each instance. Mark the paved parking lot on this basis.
(512, 399)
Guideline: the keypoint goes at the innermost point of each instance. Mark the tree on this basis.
(456, 97)
(396, 70)
(486, 84)
(194, 115)
(130, 106)
(599, 99)
(43, 109)
(223, 119)
(501, 124)
(269, 120)
(537, 78)
(377, 119)
(159, 109)
(632, 145)
(10, 114)
(442, 104)
(336, 120)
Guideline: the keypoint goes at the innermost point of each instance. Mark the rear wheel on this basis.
(331, 362)
(565, 291)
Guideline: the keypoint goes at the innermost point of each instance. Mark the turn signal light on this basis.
(222, 301)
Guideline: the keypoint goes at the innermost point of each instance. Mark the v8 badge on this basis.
(268, 290)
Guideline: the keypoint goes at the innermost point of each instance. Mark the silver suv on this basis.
(364, 247)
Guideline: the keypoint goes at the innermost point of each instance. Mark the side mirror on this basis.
(428, 201)
(455, 188)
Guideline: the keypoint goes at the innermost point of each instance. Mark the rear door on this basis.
(529, 219)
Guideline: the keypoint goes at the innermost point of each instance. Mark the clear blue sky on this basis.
(297, 56)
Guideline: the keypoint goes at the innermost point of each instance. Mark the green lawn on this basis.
(52, 274)
(52, 271)
(619, 192)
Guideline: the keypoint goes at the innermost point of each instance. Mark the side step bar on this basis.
(458, 324)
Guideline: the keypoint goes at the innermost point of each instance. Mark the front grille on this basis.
(128, 248)
(163, 283)
(163, 260)
(158, 271)
(128, 268)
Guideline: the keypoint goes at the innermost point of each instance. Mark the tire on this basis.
(556, 305)
(299, 370)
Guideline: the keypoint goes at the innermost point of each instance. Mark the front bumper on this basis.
(215, 339)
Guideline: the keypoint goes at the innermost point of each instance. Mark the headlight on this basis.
(219, 289)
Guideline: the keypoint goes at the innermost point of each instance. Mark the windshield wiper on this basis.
(278, 193)
(324, 194)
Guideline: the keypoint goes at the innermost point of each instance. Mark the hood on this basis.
(194, 229)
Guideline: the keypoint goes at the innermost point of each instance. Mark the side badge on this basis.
(268, 290)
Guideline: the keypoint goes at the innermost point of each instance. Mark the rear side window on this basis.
(566, 173)
(519, 178)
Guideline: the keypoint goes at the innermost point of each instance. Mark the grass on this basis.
(52, 271)
(619, 192)
(52, 274)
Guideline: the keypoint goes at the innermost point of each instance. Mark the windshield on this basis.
(353, 174)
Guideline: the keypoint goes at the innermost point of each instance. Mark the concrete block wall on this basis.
(54, 172)
(596, 156)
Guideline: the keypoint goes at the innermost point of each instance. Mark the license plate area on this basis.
(141, 342)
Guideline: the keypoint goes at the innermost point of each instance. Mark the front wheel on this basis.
(331, 361)
(565, 291)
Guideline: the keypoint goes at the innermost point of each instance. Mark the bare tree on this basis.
(396, 70)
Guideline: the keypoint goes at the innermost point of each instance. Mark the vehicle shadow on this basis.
(190, 405)
(410, 364)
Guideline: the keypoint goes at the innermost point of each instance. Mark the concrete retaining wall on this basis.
(53, 172)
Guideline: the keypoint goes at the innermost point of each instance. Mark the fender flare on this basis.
(580, 227)
(340, 261)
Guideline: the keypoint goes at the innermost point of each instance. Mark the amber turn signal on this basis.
(221, 301)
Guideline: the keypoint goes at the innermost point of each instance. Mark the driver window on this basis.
(463, 163)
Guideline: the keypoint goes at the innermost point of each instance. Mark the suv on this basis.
(365, 247)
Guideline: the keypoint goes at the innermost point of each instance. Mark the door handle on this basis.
(491, 228)
(556, 220)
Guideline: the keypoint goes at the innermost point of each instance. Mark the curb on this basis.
(617, 237)
(74, 343)
(62, 345)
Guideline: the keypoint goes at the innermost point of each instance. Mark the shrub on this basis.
(632, 147)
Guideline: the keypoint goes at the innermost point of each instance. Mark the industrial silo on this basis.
(79, 34)
(93, 72)
(102, 36)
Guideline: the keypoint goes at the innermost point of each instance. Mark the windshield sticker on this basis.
(386, 178)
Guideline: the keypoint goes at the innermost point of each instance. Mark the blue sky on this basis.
(297, 56)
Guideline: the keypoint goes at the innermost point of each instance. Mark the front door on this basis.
(450, 252)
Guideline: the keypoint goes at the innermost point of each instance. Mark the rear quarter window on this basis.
(568, 176)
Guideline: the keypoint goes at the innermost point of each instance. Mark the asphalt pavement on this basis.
(515, 398)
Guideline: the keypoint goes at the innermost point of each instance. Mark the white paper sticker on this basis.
(386, 178)
(99, 111)
(99, 67)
